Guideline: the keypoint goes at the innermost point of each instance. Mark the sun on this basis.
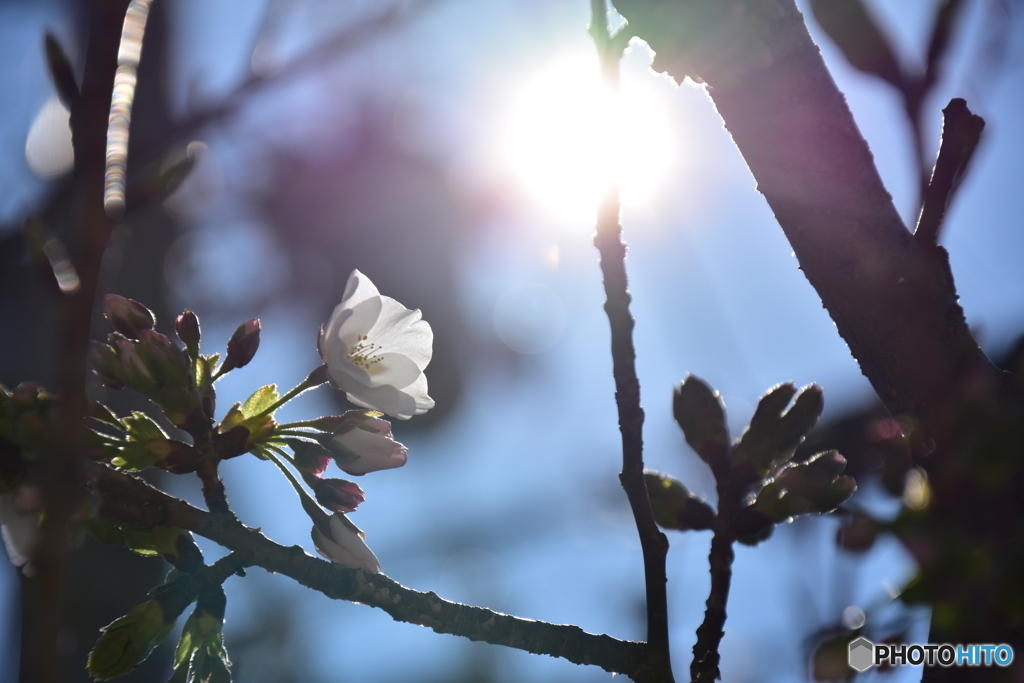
(564, 133)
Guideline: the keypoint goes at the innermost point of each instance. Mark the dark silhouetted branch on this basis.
(961, 132)
(893, 302)
(627, 386)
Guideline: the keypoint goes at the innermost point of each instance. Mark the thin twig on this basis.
(155, 508)
(961, 132)
(704, 667)
(627, 386)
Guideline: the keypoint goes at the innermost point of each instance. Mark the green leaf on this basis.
(135, 456)
(180, 674)
(261, 400)
(100, 412)
(141, 427)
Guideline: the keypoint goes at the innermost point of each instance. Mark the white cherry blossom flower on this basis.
(342, 543)
(376, 349)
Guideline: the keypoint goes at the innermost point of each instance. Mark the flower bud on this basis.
(187, 327)
(752, 526)
(699, 412)
(128, 317)
(106, 364)
(243, 345)
(210, 604)
(815, 479)
(342, 543)
(338, 495)
(674, 506)
(200, 654)
(363, 443)
(310, 457)
(127, 641)
(187, 556)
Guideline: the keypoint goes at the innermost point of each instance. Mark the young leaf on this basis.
(141, 427)
(261, 400)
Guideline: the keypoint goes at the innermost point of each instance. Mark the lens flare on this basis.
(565, 133)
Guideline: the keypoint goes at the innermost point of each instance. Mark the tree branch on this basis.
(653, 542)
(961, 132)
(151, 507)
(88, 237)
(893, 301)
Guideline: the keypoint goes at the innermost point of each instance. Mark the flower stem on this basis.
(283, 430)
(314, 379)
(311, 507)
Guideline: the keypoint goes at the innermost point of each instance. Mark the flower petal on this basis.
(373, 451)
(418, 392)
(385, 398)
(364, 316)
(395, 369)
(401, 330)
(358, 289)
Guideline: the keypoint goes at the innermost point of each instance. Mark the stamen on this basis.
(364, 354)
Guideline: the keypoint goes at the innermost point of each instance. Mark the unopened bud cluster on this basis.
(756, 474)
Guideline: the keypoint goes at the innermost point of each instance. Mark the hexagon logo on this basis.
(862, 654)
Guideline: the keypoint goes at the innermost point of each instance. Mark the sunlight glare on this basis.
(563, 131)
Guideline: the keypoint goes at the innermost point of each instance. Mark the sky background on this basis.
(512, 500)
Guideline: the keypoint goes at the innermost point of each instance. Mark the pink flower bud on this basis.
(127, 316)
(363, 443)
(310, 457)
(243, 345)
(187, 327)
(338, 495)
(340, 542)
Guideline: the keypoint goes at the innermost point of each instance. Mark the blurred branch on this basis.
(342, 42)
(961, 132)
(855, 32)
(653, 542)
(88, 238)
(140, 504)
